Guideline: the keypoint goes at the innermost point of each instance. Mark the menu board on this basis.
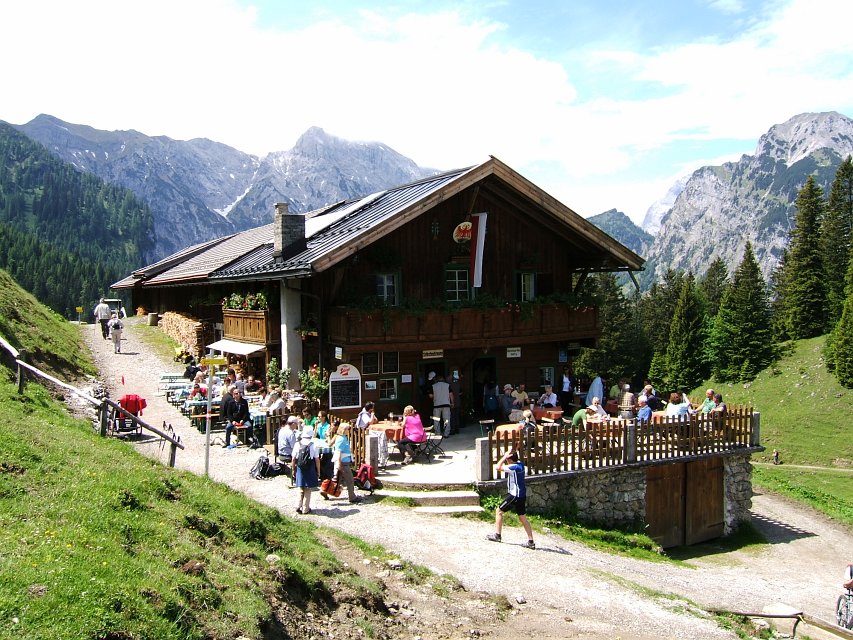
(344, 388)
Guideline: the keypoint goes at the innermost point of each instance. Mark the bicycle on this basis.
(844, 610)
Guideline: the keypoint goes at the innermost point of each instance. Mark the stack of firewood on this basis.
(191, 334)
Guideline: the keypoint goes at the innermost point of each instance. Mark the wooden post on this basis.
(755, 433)
(631, 443)
(103, 415)
(21, 373)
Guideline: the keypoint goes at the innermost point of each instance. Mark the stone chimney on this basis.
(289, 228)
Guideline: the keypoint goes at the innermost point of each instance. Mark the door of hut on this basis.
(704, 505)
(665, 504)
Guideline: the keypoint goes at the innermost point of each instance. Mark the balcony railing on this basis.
(257, 327)
(395, 327)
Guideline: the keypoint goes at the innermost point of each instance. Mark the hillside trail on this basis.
(569, 588)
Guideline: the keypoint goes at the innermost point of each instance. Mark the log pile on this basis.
(190, 333)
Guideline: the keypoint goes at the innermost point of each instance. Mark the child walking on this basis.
(516, 499)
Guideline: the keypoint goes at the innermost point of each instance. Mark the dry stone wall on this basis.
(737, 491)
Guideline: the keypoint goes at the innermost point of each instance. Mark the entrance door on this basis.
(482, 370)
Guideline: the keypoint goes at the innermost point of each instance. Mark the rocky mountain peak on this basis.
(805, 134)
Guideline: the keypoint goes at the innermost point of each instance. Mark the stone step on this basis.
(436, 498)
(449, 509)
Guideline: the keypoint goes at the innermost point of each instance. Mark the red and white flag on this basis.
(478, 239)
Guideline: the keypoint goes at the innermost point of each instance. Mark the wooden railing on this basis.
(257, 327)
(561, 446)
(390, 326)
(108, 411)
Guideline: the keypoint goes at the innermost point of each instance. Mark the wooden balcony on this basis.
(257, 327)
(464, 327)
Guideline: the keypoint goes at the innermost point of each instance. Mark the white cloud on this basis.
(440, 88)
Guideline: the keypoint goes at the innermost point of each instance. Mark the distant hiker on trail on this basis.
(102, 315)
(115, 327)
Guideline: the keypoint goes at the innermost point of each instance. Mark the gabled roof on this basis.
(152, 270)
(338, 231)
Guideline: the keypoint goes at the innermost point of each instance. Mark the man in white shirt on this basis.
(442, 401)
(103, 314)
(549, 398)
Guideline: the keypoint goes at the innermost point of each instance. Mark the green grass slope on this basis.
(97, 541)
(50, 342)
(805, 416)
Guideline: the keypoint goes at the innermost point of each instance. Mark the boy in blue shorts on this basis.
(516, 499)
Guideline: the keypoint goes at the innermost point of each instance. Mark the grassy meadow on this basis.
(805, 416)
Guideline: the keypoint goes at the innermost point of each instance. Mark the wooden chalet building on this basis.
(474, 270)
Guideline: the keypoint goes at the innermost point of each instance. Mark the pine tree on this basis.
(685, 349)
(742, 338)
(713, 284)
(836, 238)
(842, 345)
(805, 290)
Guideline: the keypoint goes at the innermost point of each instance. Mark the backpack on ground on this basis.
(365, 478)
(263, 469)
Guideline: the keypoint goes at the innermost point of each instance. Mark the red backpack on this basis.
(365, 478)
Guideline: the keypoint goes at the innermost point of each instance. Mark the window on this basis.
(390, 362)
(370, 363)
(387, 388)
(526, 286)
(456, 284)
(546, 376)
(387, 288)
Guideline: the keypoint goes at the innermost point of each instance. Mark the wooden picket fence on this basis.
(561, 446)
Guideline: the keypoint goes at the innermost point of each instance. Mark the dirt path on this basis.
(570, 590)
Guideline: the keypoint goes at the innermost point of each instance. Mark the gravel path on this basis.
(572, 589)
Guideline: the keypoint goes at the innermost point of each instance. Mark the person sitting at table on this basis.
(598, 411)
(719, 405)
(644, 412)
(413, 433)
(264, 401)
(678, 405)
(652, 399)
(366, 417)
(707, 405)
(276, 402)
(547, 399)
(253, 385)
(506, 402)
(582, 415)
(191, 370)
(520, 398)
(236, 415)
(321, 424)
(199, 392)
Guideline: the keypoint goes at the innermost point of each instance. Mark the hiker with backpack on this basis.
(114, 328)
(306, 461)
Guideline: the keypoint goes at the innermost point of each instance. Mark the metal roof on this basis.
(339, 230)
(201, 265)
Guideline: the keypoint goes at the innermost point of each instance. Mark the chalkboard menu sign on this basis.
(344, 388)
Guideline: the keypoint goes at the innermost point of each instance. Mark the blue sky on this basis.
(604, 104)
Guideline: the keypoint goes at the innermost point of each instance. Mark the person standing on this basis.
(442, 402)
(307, 473)
(627, 402)
(516, 499)
(342, 455)
(456, 410)
(102, 315)
(567, 393)
(114, 329)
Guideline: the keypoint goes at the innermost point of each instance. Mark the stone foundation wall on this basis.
(737, 491)
(190, 333)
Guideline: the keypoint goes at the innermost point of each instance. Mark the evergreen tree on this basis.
(685, 350)
(619, 351)
(835, 238)
(842, 345)
(658, 374)
(713, 285)
(805, 289)
(742, 338)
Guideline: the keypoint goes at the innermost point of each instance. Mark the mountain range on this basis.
(200, 189)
